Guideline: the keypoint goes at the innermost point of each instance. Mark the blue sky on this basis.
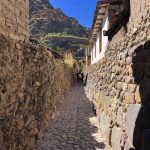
(83, 10)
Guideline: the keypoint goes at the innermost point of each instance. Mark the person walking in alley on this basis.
(80, 76)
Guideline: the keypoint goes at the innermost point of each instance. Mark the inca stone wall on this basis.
(14, 19)
(119, 85)
(32, 84)
(32, 81)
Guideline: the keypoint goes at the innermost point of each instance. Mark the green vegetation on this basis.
(63, 34)
(34, 19)
(62, 42)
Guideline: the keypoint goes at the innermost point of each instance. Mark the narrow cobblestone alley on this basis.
(74, 126)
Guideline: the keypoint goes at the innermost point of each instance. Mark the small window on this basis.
(100, 41)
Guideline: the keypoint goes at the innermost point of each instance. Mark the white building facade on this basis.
(100, 43)
(103, 27)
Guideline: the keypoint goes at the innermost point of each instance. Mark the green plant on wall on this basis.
(34, 19)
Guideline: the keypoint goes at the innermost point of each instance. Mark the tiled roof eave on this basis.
(122, 19)
(98, 19)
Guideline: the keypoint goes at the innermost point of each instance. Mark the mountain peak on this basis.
(46, 2)
(53, 28)
(37, 5)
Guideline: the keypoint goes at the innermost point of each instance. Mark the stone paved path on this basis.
(74, 126)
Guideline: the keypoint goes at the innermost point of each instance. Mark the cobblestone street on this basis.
(74, 126)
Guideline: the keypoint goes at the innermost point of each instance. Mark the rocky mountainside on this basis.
(53, 28)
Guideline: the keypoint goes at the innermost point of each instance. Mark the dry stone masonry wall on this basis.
(32, 84)
(32, 81)
(14, 20)
(119, 85)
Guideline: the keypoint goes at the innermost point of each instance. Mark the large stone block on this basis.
(120, 116)
(116, 138)
(104, 123)
(131, 87)
(137, 95)
(129, 97)
(132, 114)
